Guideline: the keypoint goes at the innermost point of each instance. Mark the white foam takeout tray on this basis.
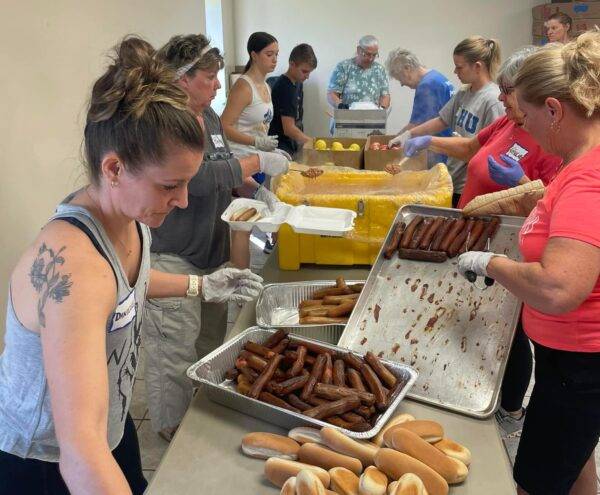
(303, 219)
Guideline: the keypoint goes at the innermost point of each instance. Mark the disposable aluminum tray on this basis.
(456, 335)
(210, 373)
(277, 305)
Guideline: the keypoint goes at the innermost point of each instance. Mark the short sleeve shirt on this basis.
(504, 137)
(357, 84)
(569, 209)
(287, 102)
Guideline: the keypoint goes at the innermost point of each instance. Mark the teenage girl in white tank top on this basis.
(249, 108)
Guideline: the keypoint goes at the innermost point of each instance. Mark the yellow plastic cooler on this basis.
(374, 196)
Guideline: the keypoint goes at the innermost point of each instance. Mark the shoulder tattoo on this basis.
(47, 279)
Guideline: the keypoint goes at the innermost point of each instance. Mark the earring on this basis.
(114, 183)
(554, 126)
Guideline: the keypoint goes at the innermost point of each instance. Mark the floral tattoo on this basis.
(47, 280)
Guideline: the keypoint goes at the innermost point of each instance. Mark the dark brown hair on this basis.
(256, 43)
(303, 54)
(563, 18)
(181, 50)
(138, 111)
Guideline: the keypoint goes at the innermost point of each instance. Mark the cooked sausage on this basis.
(309, 303)
(327, 376)
(298, 403)
(289, 386)
(452, 233)
(375, 386)
(312, 347)
(472, 238)
(333, 408)
(355, 380)
(317, 310)
(441, 234)
(333, 392)
(392, 245)
(382, 372)
(420, 232)
(422, 255)
(276, 401)
(410, 230)
(259, 349)
(488, 233)
(274, 339)
(460, 239)
(298, 365)
(315, 376)
(265, 376)
(353, 361)
(281, 346)
(343, 309)
(328, 291)
(339, 373)
(244, 215)
(430, 232)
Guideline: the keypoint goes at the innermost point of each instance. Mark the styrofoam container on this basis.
(303, 219)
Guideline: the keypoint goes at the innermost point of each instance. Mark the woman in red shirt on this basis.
(558, 90)
(501, 155)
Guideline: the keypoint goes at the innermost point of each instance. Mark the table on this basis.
(205, 456)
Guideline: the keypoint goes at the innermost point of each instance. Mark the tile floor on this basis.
(153, 447)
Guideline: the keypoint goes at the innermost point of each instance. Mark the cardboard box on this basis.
(377, 160)
(579, 26)
(539, 40)
(358, 123)
(345, 158)
(575, 10)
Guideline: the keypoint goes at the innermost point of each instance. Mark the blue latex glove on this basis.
(416, 144)
(505, 175)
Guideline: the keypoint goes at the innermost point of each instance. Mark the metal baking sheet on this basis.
(209, 372)
(456, 335)
(277, 305)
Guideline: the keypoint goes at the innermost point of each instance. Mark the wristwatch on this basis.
(193, 286)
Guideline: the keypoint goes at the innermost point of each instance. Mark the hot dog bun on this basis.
(339, 442)
(395, 464)
(409, 484)
(308, 483)
(430, 431)
(317, 455)
(391, 487)
(410, 443)
(264, 445)
(305, 434)
(289, 487)
(396, 420)
(277, 471)
(343, 481)
(455, 450)
(372, 482)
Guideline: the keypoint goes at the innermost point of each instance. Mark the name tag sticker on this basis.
(124, 314)
(217, 140)
(517, 152)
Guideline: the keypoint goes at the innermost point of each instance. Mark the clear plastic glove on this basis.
(416, 144)
(476, 262)
(273, 163)
(266, 196)
(505, 175)
(231, 284)
(400, 139)
(266, 143)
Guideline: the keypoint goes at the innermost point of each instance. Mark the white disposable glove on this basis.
(266, 143)
(272, 163)
(400, 139)
(231, 284)
(476, 262)
(283, 152)
(266, 196)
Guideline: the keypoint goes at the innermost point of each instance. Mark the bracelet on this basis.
(193, 286)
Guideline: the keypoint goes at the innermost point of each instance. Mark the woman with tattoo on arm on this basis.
(76, 294)
(558, 90)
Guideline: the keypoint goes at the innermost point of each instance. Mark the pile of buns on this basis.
(330, 304)
(408, 457)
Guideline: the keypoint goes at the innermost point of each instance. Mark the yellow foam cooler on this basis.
(374, 196)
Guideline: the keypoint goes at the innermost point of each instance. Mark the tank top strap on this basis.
(255, 94)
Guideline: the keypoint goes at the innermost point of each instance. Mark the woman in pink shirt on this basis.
(558, 90)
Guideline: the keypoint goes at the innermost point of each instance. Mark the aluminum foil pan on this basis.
(209, 372)
(277, 305)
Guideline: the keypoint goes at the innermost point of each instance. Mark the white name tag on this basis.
(125, 313)
(517, 152)
(217, 140)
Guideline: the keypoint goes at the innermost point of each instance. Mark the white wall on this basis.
(430, 28)
(50, 54)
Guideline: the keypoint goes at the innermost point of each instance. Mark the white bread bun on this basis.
(391, 487)
(462, 471)
(289, 487)
(516, 201)
(396, 420)
(343, 481)
(308, 483)
(395, 464)
(277, 471)
(317, 455)
(430, 431)
(455, 450)
(305, 434)
(263, 445)
(372, 482)
(410, 443)
(336, 440)
(409, 484)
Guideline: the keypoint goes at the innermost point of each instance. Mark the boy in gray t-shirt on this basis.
(466, 113)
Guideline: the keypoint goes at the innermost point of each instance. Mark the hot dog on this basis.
(456, 229)
(375, 386)
(441, 233)
(288, 386)
(343, 309)
(430, 232)
(422, 255)
(327, 376)
(461, 239)
(410, 230)
(328, 291)
(312, 347)
(340, 298)
(333, 408)
(488, 233)
(474, 236)
(388, 251)
(276, 401)
(321, 320)
(420, 232)
(315, 376)
(265, 376)
(298, 365)
(307, 303)
(382, 372)
(298, 403)
(339, 373)
(274, 339)
(243, 215)
(353, 361)
(333, 392)
(355, 380)
(259, 349)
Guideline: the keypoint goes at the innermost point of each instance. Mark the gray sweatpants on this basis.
(176, 333)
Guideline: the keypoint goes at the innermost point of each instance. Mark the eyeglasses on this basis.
(367, 54)
(505, 89)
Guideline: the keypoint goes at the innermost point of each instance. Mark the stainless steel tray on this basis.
(454, 334)
(277, 305)
(210, 373)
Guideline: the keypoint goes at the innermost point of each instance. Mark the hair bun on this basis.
(582, 65)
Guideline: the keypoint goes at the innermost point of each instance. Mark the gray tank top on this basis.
(26, 424)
